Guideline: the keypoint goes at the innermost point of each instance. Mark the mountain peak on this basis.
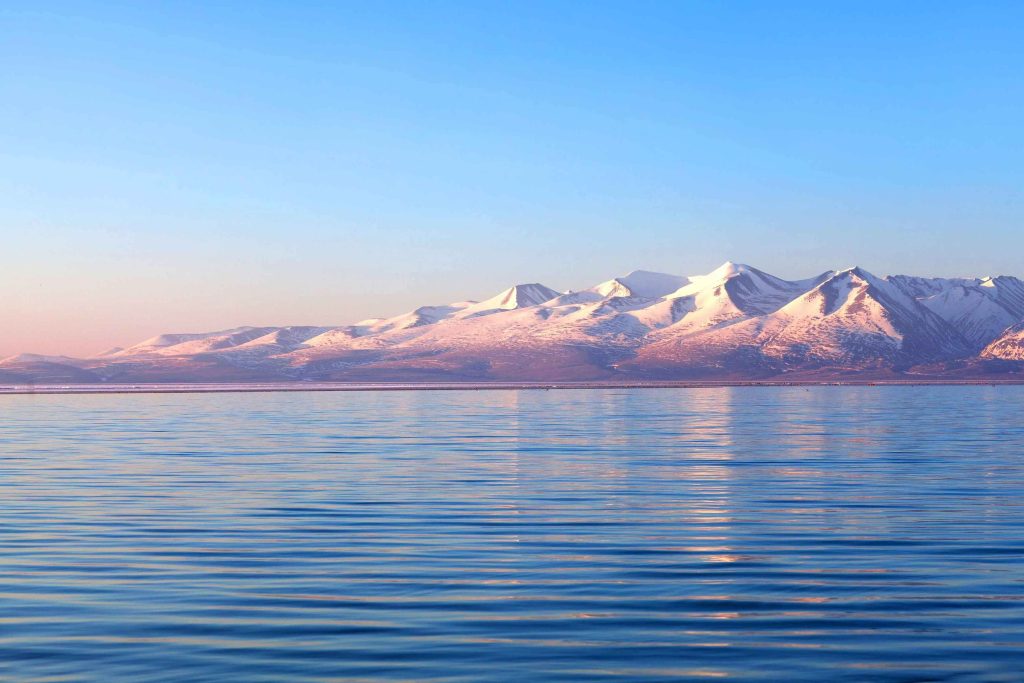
(736, 320)
(858, 272)
(727, 270)
(516, 296)
(528, 294)
(642, 283)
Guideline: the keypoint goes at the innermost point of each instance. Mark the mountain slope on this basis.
(736, 322)
(980, 309)
(854, 319)
(1008, 346)
(641, 283)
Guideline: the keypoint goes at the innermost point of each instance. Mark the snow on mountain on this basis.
(980, 309)
(1008, 291)
(381, 332)
(977, 316)
(855, 318)
(424, 315)
(515, 297)
(641, 283)
(1008, 346)
(924, 287)
(736, 321)
(191, 344)
(630, 305)
(730, 293)
(283, 338)
(243, 351)
(849, 319)
(523, 332)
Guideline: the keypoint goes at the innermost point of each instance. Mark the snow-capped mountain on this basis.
(980, 309)
(1007, 346)
(848, 320)
(736, 322)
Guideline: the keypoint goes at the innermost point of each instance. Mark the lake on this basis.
(748, 533)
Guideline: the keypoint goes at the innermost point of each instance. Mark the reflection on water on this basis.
(836, 533)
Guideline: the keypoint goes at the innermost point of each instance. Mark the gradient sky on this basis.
(173, 167)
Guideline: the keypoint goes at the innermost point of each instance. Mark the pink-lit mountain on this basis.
(735, 323)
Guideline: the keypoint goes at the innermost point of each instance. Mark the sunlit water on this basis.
(776, 534)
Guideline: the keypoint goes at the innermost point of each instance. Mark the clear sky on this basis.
(174, 167)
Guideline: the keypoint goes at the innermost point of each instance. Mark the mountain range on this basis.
(736, 323)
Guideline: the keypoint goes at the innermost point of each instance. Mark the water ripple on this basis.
(761, 534)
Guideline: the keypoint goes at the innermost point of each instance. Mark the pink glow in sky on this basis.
(186, 167)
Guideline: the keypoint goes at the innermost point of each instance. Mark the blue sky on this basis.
(188, 166)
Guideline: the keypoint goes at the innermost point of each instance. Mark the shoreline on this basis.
(268, 387)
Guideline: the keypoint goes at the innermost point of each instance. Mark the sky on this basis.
(176, 167)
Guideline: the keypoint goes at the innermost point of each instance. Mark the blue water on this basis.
(770, 534)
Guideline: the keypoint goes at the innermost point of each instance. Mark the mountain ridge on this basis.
(735, 322)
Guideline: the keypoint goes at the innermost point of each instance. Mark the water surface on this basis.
(765, 534)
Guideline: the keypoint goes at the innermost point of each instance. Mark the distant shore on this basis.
(248, 387)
